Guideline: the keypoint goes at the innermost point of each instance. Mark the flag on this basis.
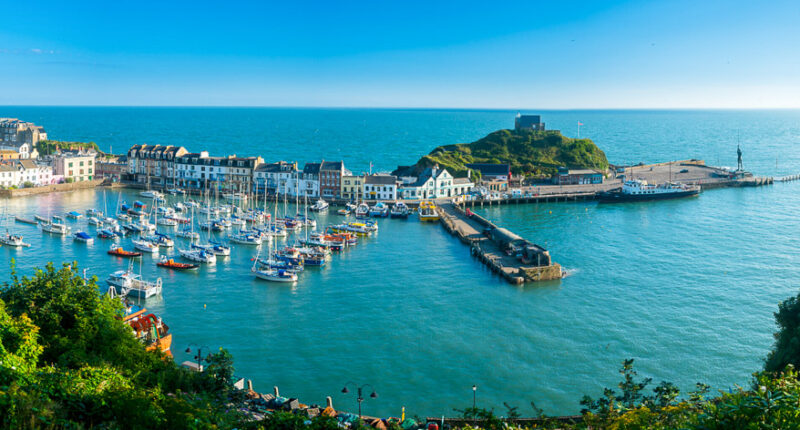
(580, 123)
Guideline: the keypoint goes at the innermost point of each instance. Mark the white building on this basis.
(380, 187)
(21, 136)
(18, 173)
(435, 183)
(78, 165)
(277, 178)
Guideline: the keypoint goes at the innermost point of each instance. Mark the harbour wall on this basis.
(57, 188)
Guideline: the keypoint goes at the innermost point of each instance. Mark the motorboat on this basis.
(362, 210)
(198, 255)
(151, 194)
(399, 210)
(13, 240)
(125, 282)
(74, 215)
(145, 245)
(95, 221)
(175, 265)
(106, 234)
(119, 252)
(379, 210)
(427, 211)
(319, 206)
(82, 236)
(167, 222)
(55, 228)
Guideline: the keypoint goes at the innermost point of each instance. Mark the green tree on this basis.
(787, 340)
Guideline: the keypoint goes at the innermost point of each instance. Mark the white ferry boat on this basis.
(634, 190)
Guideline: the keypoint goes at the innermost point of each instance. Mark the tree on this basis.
(787, 340)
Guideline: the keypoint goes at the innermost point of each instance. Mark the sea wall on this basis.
(21, 192)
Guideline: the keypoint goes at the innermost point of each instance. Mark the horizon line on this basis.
(407, 107)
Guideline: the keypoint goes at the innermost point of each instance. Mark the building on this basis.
(567, 176)
(491, 172)
(153, 164)
(198, 170)
(113, 167)
(528, 122)
(353, 187)
(330, 179)
(188, 173)
(75, 165)
(277, 178)
(21, 172)
(435, 183)
(240, 172)
(380, 187)
(8, 154)
(21, 136)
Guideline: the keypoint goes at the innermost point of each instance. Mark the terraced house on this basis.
(276, 178)
(153, 164)
(231, 173)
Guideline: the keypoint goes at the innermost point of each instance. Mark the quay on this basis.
(515, 259)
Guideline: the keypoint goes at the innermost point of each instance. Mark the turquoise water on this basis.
(687, 288)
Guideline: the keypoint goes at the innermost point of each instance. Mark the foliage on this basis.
(787, 340)
(68, 360)
(69, 180)
(28, 184)
(49, 147)
(528, 152)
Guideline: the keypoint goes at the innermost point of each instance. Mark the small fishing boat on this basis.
(145, 245)
(399, 210)
(119, 252)
(379, 210)
(198, 255)
(82, 236)
(13, 240)
(319, 206)
(362, 210)
(74, 215)
(25, 220)
(175, 265)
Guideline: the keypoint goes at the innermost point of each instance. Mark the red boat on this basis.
(177, 265)
(119, 252)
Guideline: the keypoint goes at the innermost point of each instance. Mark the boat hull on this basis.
(620, 197)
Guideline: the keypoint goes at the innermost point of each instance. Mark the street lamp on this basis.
(199, 357)
(474, 393)
(360, 398)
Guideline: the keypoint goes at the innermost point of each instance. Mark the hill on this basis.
(528, 152)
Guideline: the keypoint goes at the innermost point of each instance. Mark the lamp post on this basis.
(474, 394)
(359, 389)
(199, 357)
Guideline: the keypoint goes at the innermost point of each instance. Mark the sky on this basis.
(466, 54)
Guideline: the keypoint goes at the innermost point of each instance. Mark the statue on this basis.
(739, 154)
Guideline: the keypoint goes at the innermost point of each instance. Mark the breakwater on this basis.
(503, 252)
(21, 192)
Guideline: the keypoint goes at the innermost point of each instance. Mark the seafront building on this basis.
(276, 178)
(353, 187)
(201, 171)
(113, 167)
(153, 164)
(21, 137)
(20, 172)
(380, 187)
(74, 165)
(568, 176)
(434, 183)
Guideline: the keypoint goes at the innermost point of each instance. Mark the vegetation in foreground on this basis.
(68, 361)
(528, 152)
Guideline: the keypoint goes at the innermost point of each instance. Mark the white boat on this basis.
(399, 210)
(198, 255)
(238, 222)
(214, 248)
(176, 191)
(379, 210)
(145, 245)
(55, 228)
(246, 238)
(275, 275)
(125, 282)
(235, 197)
(151, 194)
(319, 206)
(188, 234)
(362, 210)
(167, 222)
(13, 240)
(161, 240)
(82, 236)
(93, 220)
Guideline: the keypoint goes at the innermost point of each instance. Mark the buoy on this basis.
(204, 305)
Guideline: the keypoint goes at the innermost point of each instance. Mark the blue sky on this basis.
(527, 54)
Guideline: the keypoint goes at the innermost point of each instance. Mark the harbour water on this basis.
(686, 287)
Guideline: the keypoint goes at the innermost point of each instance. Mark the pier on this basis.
(515, 259)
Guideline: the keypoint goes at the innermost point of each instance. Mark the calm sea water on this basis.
(687, 288)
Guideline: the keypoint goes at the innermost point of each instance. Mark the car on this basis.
(684, 171)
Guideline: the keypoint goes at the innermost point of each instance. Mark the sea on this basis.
(687, 288)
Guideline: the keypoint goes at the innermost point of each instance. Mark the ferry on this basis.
(399, 210)
(427, 211)
(319, 206)
(13, 240)
(149, 329)
(635, 190)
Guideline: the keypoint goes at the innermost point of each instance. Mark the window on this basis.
(70, 164)
(81, 163)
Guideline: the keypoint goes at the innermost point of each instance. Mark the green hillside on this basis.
(530, 153)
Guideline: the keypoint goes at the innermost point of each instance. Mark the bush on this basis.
(69, 180)
(28, 184)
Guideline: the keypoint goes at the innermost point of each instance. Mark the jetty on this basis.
(515, 259)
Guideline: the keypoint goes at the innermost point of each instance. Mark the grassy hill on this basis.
(530, 153)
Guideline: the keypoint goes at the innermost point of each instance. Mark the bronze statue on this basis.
(739, 153)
